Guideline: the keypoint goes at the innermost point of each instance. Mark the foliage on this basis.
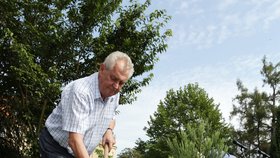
(129, 153)
(99, 152)
(271, 74)
(24, 103)
(46, 44)
(257, 112)
(276, 138)
(188, 106)
(197, 142)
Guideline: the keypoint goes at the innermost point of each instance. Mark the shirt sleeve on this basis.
(75, 112)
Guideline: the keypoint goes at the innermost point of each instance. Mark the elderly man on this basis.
(85, 114)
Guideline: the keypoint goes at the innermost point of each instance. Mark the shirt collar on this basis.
(96, 90)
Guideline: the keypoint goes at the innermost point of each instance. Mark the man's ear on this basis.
(102, 67)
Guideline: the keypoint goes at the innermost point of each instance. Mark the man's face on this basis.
(111, 81)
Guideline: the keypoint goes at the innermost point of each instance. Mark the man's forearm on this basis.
(77, 145)
(108, 137)
(112, 124)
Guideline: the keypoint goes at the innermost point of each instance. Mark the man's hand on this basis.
(109, 139)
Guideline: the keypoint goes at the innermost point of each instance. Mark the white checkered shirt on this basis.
(83, 111)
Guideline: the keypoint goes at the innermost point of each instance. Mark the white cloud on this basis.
(226, 4)
(230, 19)
(273, 14)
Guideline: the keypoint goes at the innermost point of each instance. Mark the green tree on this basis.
(188, 106)
(276, 138)
(254, 112)
(258, 112)
(197, 142)
(129, 153)
(271, 74)
(46, 44)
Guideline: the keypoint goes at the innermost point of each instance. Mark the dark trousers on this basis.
(49, 148)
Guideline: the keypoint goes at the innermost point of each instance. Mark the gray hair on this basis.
(112, 59)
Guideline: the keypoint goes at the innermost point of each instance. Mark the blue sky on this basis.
(214, 43)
